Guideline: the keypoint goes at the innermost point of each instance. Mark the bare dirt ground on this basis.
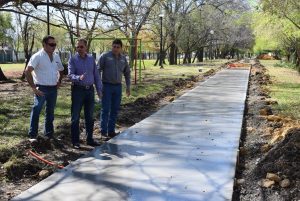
(269, 167)
(26, 170)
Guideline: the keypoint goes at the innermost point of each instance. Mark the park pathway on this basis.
(187, 151)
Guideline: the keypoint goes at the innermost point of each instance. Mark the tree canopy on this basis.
(6, 28)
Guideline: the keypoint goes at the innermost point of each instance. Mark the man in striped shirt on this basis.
(44, 73)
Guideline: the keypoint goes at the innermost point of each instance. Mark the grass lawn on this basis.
(12, 67)
(154, 79)
(285, 88)
(15, 109)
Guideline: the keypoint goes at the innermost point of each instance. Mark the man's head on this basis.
(49, 44)
(81, 46)
(117, 46)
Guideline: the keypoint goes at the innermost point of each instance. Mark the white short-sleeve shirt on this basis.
(45, 72)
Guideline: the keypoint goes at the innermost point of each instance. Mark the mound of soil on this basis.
(266, 57)
(283, 158)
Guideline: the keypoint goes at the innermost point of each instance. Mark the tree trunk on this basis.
(298, 60)
(132, 55)
(17, 56)
(200, 55)
(2, 76)
(176, 55)
(164, 57)
(288, 56)
(232, 53)
(157, 59)
(195, 57)
(172, 57)
(26, 63)
(187, 58)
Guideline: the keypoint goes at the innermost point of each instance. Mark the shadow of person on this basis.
(111, 149)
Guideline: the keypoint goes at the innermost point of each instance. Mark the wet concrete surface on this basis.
(186, 151)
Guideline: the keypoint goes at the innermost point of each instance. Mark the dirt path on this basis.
(263, 151)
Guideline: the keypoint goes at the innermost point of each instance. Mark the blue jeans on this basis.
(111, 100)
(86, 98)
(50, 95)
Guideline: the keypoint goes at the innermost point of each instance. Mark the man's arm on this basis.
(101, 64)
(61, 75)
(29, 78)
(71, 71)
(97, 80)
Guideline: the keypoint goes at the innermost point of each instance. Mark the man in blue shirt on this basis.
(112, 65)
(84, 74)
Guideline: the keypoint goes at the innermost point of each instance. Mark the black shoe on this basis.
(93, 143)
(113, 134)
(76, 146)
(105, 138)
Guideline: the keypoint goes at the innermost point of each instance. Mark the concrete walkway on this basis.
(186, 151)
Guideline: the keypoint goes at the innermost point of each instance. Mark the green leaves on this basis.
(5, 27)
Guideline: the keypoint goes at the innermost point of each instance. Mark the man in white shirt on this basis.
(44, 73)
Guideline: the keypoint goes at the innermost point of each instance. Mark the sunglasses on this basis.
(80, 47)
(52, 44)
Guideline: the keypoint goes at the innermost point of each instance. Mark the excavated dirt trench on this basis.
(269, 168)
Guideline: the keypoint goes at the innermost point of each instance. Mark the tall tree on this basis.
(27, 36)
(5, 38)
(5, 27)
(288, 9)
(133, 16)
(86, 24)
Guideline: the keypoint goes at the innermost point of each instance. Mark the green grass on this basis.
(15, 109)
(154, 79)
(12, 67)
(285, 88)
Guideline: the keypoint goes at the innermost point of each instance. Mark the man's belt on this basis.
(49, 86)
(111, 83)
(83, 86)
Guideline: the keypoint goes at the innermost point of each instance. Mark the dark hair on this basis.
(46, 39)
(82, 40)
(117, 42)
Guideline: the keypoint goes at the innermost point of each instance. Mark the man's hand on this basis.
(99, 97)
(127, 92)
(37, 91)
(82, 76)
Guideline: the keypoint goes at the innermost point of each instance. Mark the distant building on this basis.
(6, 54)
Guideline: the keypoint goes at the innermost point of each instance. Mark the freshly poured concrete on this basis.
(185, 152)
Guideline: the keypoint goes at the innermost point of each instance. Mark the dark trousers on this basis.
(86, 98)
(50, 95)
(111, 100)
